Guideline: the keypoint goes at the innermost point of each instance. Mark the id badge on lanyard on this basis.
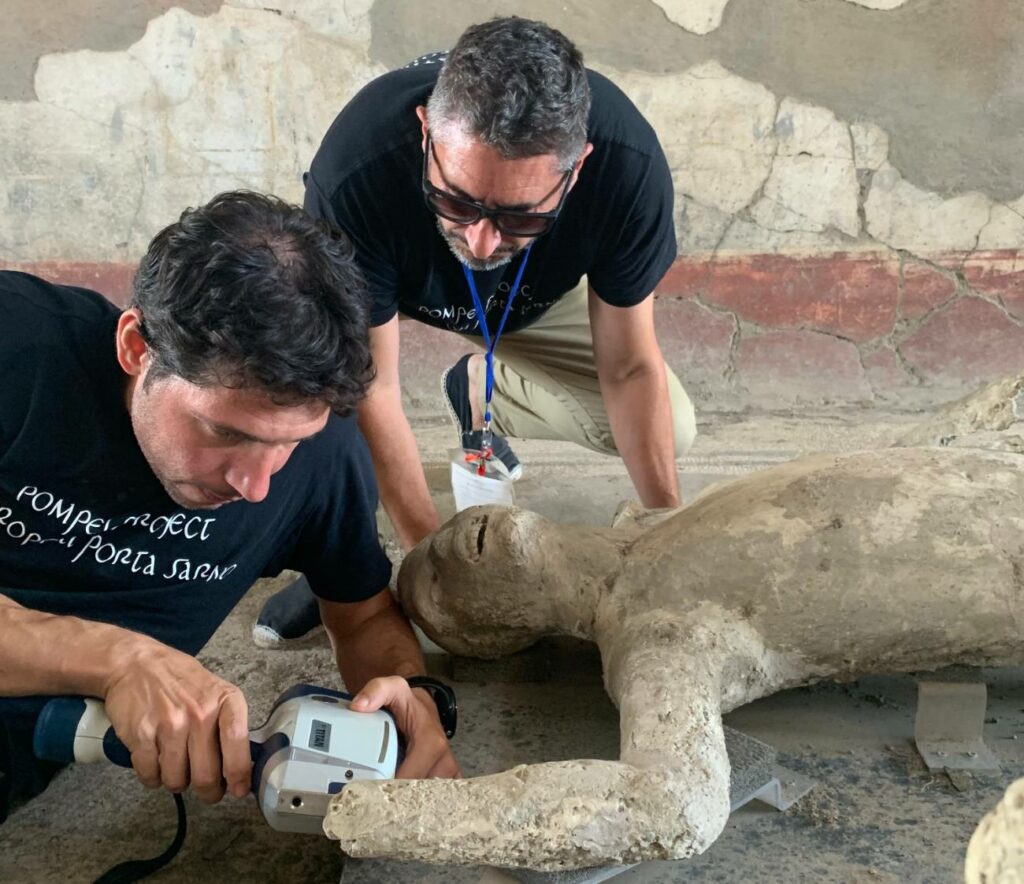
(475, 478)
(473, 488)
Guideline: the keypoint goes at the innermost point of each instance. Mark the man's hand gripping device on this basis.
(311, 746)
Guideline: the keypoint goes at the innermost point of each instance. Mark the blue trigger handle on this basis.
(56, 727)
(116, 751)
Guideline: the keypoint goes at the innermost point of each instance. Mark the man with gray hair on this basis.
(505, 193)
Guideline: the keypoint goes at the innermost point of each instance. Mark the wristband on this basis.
(443, 696)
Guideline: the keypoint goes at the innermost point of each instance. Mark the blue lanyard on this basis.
(490, 342)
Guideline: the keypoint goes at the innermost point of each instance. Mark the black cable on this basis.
(137, 869)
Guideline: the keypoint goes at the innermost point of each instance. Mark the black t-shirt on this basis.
(616, 225)
(87, 530)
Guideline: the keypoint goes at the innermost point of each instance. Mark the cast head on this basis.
(492, 580)
(247, 328)
(507, 128)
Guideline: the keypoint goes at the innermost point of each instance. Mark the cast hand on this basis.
(427, 751)
(182, 724)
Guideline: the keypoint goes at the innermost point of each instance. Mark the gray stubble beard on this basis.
(473, 263)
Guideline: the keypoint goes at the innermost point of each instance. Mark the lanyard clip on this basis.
(479, 457)
(479, 460)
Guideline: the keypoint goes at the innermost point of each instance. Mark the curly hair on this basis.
(249, 291)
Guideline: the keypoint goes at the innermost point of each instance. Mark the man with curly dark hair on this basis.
(155, 462)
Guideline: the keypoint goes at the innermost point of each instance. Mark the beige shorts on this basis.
(546, 387)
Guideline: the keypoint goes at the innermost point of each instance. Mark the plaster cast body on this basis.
(992, 418)
(825, 567)
(996, 852)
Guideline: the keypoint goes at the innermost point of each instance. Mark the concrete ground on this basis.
(875, 815)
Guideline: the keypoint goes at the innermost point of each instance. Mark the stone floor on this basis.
(875, 815)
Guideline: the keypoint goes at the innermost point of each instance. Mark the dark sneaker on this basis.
(289, 618)
(455, 386)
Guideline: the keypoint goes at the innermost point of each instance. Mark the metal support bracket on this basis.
(948, 728)
(782, 791)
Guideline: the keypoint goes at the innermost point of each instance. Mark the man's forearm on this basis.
(44, 653)
(383, 645)
(640, 415)
(180, 723)
(396, 461)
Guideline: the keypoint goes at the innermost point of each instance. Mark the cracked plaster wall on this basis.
(704, 16)
(850, 230)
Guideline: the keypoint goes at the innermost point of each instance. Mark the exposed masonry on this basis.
(808, 164)
(704, 16)
(696, 16)
(123, 140)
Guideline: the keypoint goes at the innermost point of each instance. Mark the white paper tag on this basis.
(471, 489)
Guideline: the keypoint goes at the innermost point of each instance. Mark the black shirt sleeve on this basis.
(26, 342)
(642, 246)
(16, 367)
(337, 546)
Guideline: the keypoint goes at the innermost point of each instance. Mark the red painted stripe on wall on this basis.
(777, 330)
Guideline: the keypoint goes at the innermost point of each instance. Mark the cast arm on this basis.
(634, 385)
(667, 798)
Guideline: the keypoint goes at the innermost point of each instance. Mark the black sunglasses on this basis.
(466, 211)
